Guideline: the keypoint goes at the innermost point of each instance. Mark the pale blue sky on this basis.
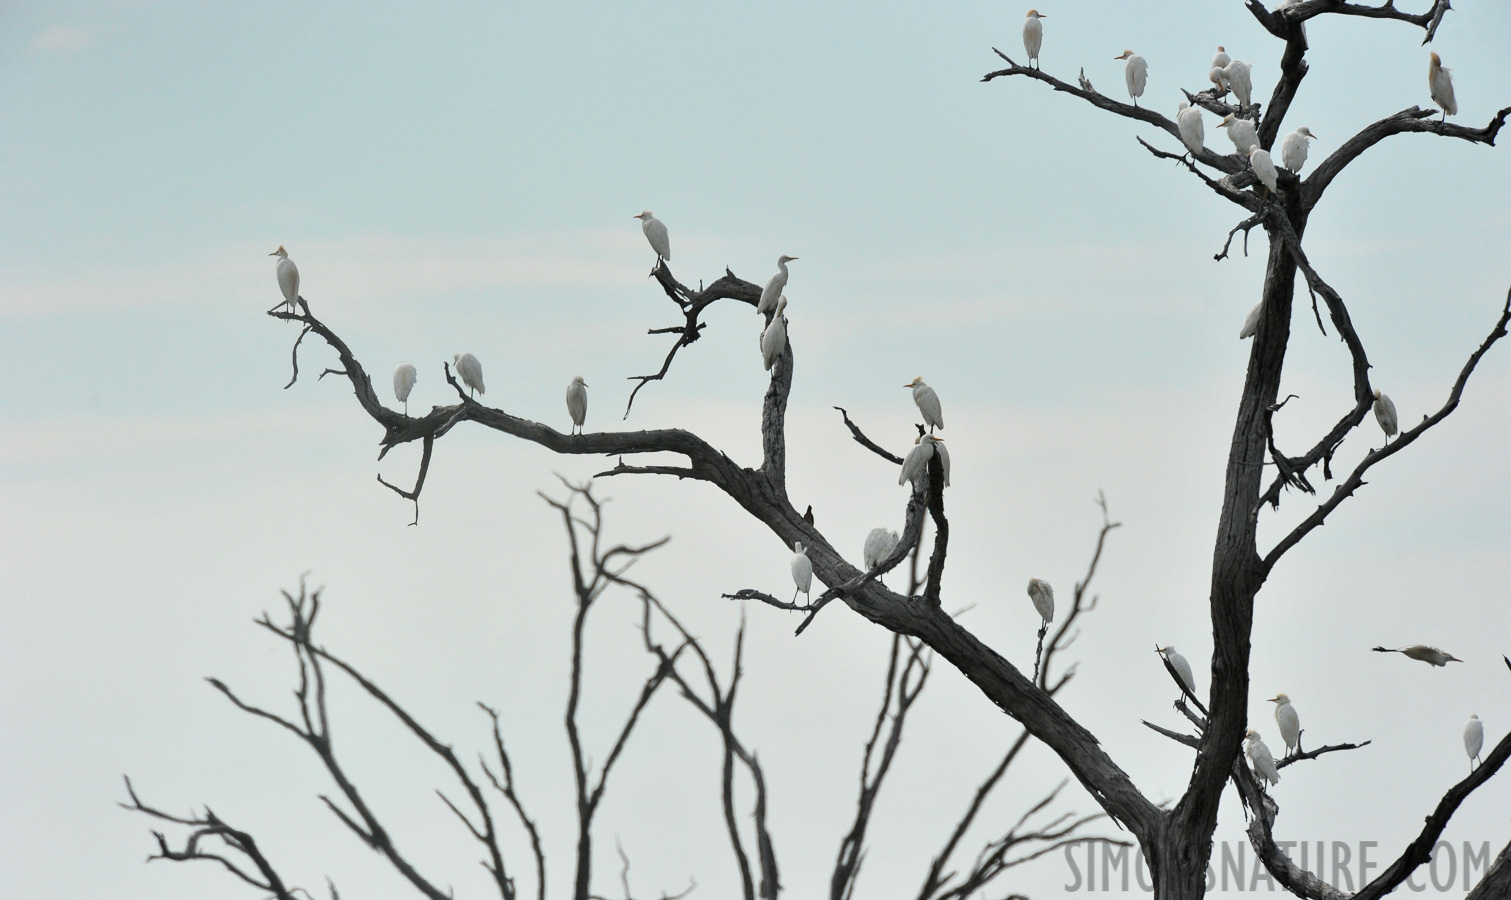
(463, 179)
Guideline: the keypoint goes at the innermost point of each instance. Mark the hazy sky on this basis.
(462, 178)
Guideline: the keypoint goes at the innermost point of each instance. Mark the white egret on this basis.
(1432, 656)
(1289, 722)
(1474, 739)
(1251, 322)
(802, 571)
(1242, 133)
(1385, 414)
(774, 338)
(944, 459)
(1441, 85)
(1260, 758)
(928, 403)
(1043, 597)
(288, 278)
(655, 232)
(917, 461)
(471, 372)
(1237, 74)
(577, 402)
(1264, 168)
(1220, 61)
(1293, 148)
(774, 286)
(403, 382)
(1181, 667)
(1135, 72)
(879, 545)
(1033, 35)
(1192, 131)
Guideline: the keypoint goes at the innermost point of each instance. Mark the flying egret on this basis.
(1441, 85)
(1136, 73)
(1242, 133)
(802, 571)
(774, 286)
(1432, 656)
(1033, 35)
(577, 402)
(1260, 758)
(471, 371)
(1474, 739)
(928, 403)
(1385, 414)
(1181, 667)
(774, 338)
(403, 382)
(1251, 322)
(917, 461)
(879, 545)
(1220, 61)
(1043, 597)
(1289, 722)
(1293, 148)
(1192, 131)
(655, 232)
(1237, 74)
(1264, 168)
(288, 278)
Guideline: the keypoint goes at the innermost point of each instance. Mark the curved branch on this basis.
(1297, 13)
(692, 304)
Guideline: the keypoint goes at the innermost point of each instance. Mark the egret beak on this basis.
(1275, 699)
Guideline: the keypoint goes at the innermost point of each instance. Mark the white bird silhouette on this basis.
(1181, 667)
(1432, 656)
(1293, 148)
(1251, 322)
(1385, 414)
(1264, 168)
(404, 378)
(802, 571)
(1289, 722)
(1260, 758)
(1474, 739)
(774, 285)
(1220, 60)
(577, 402)
(917, 460)
(928, 403)
(655, 232)
(471, 371)
(1237, 74)
(1440, 83)
(1135, 73)
(288, 278)
(1242, 133)
(1043, 597)
(1192, 131)
(1033, 35)
(774, 338)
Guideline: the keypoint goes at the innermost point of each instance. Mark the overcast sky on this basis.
(463, 179)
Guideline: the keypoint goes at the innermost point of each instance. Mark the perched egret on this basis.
(1293, 148)
(1220, 61)
(1260, 758)
(1474, 739)
(288, 278)
(1242, 133)
(774, 338)
(1043, 597)
(774, 286)
(1289, 722)
(403, 382)
(1251, 322)
(917, 461)
(1385, 414)
(879, 545)
(1033, 35)
(1136, 73)
(1441, 85)
(1237, 76)
(1181, 667)
(1192, 131)
(471, 371)
(928, 403)
(1264, 168)
(577, 402)
(802, 571)
(655, 232)
(944, 459)
(1432, 656)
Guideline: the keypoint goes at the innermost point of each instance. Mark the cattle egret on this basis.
(403, 382)
(1251, 322)
(288, 278)
(1474, 739)
(1264, 168)
(1432, 656)
(1033, 35)
(1192, 131)
(1043, 597)
(1441, 85)
(774, 338)
(928, 403)
(802, 571)
(471, 371)
(1181, 667)
(944, 459)
(1136, 73)
(879, 545)
(655, 232)
(577, 402)
(774, 286)
(1385, 414)
(1242, 133)
(1289, 722)
(1220, 60)
(917, 460)
(1293, 148)
(1237, 76)
(1260, 758)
